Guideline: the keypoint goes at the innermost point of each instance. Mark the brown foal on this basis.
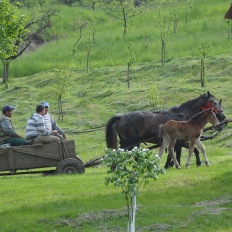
(190, 130)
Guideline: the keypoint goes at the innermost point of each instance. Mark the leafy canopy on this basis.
(130, 169)
(12, 23)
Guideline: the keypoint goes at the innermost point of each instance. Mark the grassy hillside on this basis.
(205, 24)
(198, 199)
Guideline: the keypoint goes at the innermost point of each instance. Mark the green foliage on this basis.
(205, 48)
(154, 98)
(130, 169)
(123, 10)
(131, 56)
(12, 23)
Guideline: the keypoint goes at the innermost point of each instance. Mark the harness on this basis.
(175, 113)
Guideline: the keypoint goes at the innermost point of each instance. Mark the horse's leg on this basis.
(163, 146)
(202, 148)
(196, 152)
(171, 152)
(169, 162)
(191, 148)
(177, 151)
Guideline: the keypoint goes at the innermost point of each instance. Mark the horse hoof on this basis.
(198, 164)
(207, 164)
(187, 166)
(179, 167)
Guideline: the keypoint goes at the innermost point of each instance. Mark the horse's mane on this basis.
(191, 102)
(196, 116)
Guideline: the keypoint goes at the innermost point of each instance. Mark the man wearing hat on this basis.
(7, 131)
(50, 123)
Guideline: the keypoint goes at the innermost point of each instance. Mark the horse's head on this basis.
(210, 102)
(212, 118)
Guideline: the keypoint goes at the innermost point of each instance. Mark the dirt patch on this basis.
(213, 206)
(215, 202)
(155, 227)
(93, 216)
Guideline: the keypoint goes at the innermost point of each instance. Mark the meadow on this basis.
(195, 199)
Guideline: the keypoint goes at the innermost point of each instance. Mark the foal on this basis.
(186, 130)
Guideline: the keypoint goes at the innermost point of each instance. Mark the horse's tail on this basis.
(111, 132)
(160, 135)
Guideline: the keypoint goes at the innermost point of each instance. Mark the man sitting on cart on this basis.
(50, 122)
(36, 131)
(8, 135)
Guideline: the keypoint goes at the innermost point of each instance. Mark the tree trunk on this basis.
(5, 71)
(128, 75)
(186, 18)
(124, 19)
(163, 52)
(60, 112)
(131, 226)
(202, 78)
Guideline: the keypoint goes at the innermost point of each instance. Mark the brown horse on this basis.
(143, 126)
(190, 130)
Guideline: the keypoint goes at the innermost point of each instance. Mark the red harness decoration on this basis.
(206, 106)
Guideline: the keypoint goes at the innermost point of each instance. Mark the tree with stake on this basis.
(61, 82)
(129, 169)
(131, 58)
(204, 49)
(164, 21)
(87, 41)
(175, 19)
(188, 8)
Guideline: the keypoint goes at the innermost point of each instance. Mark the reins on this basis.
(88, 130)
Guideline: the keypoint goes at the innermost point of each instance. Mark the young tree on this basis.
(130, 59)
(123, 10)
(163, 22)
(60, 85)
(79, 24)
(175, 18)
(229, 22)
(188, 8)
(129, 170)
(87, 41)
(153, 97)
(90, 3)
(18, 31)
(204, 49)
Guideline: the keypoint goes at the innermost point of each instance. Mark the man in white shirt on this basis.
(36, 130)
(50, 123)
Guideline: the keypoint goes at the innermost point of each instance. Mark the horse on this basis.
(190, 130)
(181, 143)
(139, 127)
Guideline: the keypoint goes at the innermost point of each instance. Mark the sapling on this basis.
(129, 170)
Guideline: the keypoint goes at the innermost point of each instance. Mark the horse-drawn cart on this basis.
(62, 156)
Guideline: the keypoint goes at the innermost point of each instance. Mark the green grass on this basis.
(197, 199)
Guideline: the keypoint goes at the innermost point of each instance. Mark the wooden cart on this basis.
(62, 156)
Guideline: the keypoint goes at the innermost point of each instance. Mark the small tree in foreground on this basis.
(129, 169)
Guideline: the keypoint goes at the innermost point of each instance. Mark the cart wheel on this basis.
(70, 166)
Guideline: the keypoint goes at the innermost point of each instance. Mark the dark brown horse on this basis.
(143, 126)
(189, 130)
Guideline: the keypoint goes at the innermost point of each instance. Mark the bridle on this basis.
(208, 105)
